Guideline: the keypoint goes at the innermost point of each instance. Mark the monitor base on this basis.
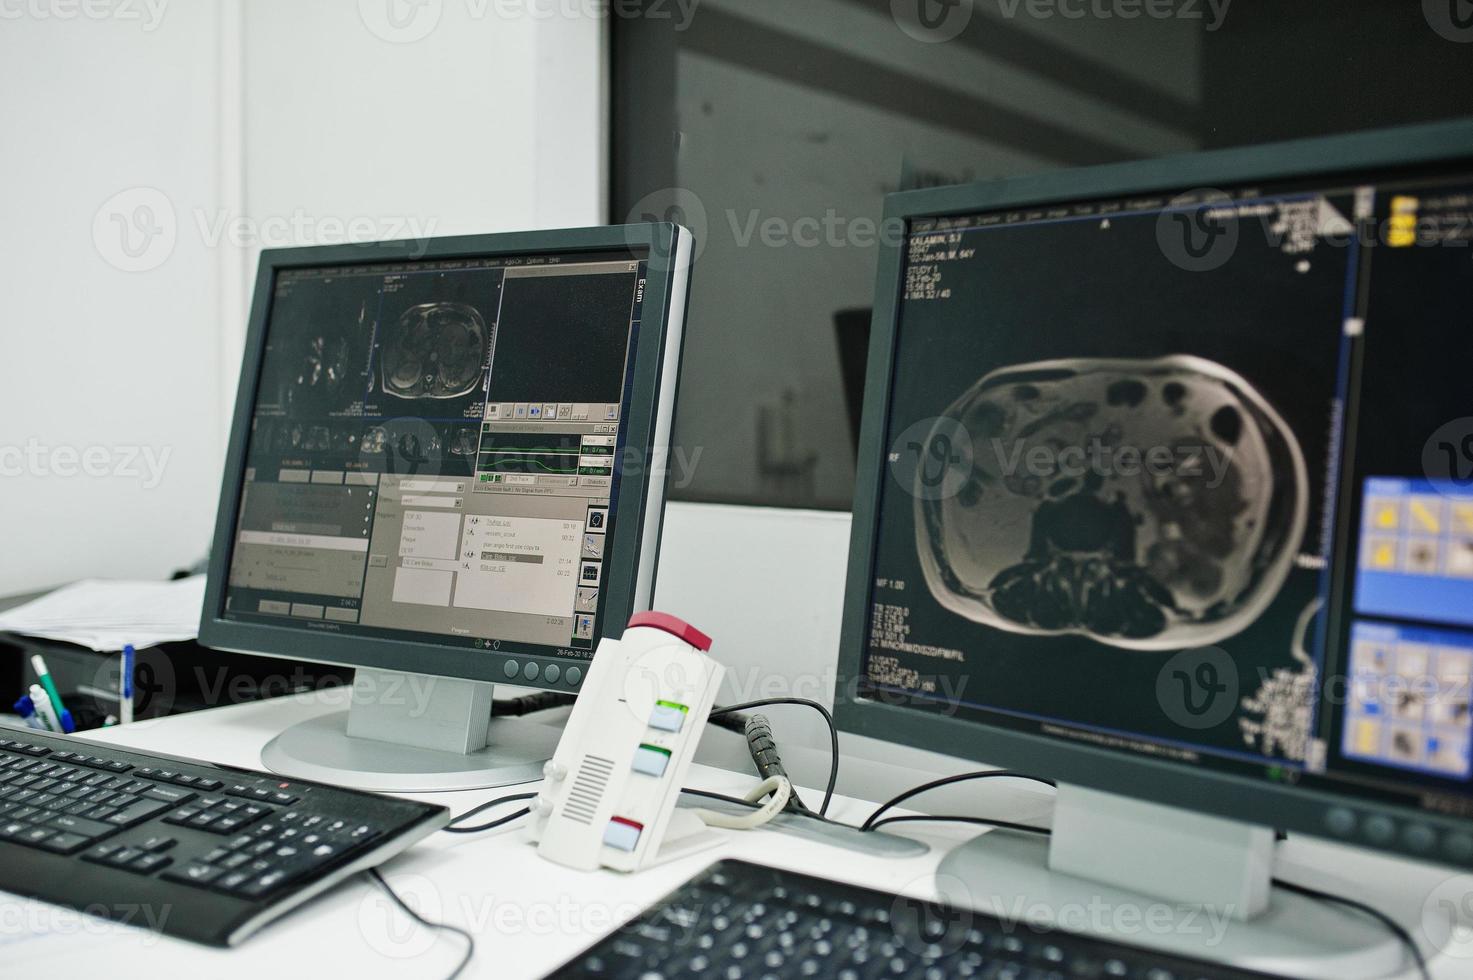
(1019, 878)
(413, 733)
(321, 750)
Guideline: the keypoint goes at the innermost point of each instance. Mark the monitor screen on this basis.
(1190, 477)
(433, 450)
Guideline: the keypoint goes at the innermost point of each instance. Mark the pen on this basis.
(44, 710)
(125, 685)
(27, 711)
(63, 716)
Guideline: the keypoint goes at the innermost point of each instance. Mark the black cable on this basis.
(1396, 927)
(828, 717)
(732, 722)
(982, 821)
(895, 801)
(470, 940)
(754, 806)
(450, 828)
(723, 798)
(528, 703)
(762, 746)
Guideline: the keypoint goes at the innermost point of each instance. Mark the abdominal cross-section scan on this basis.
(436, 350)
(1149, 504)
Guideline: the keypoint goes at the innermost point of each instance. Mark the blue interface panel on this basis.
(1416, 552)
(1409, 698)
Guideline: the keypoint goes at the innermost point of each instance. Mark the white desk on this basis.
(529, 915)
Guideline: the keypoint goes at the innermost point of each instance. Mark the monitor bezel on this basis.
(1316, 811)
(629, 579)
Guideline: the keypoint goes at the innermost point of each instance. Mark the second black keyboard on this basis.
(737, 920)
(199, 851)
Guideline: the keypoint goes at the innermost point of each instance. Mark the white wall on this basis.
(97, 359)
(236, 124)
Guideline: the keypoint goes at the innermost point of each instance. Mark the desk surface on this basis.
(529, 915)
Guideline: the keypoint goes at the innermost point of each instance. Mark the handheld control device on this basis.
(609, 800)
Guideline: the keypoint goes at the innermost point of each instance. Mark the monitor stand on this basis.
(413, 733)
(1169, 879)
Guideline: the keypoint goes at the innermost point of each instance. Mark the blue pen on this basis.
(125, 684)
(26, 708)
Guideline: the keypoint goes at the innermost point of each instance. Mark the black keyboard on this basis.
(191, 849)
(740, 920)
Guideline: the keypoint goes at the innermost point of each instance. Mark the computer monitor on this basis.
(447, 470)
(1166, 493)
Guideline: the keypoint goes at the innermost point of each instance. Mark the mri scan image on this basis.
(1148, 504)
(435, 350)
(323, 364)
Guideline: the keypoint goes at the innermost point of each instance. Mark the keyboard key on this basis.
(65, 843)
(137, 813)
(233, 881)
(168, 794)
(192, 874)
(150, 863)
(101, 852)
(264, 884)
(80, 826)
(250, 792)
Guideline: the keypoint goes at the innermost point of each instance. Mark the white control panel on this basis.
(611, 788)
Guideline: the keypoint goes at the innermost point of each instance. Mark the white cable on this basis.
(780, 789)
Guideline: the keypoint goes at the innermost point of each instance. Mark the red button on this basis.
(674, 626)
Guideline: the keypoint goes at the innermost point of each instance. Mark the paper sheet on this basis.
(105, 615)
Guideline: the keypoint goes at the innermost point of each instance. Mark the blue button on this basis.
(552, 673)
(666, 718)
(624, 836)
(651, 762)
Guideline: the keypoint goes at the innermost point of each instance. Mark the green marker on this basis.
(49, 686)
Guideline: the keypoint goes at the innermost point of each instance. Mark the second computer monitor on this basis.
(1168, 485)
(448, 456)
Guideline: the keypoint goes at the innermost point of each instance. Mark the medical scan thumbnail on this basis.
(434, 350)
